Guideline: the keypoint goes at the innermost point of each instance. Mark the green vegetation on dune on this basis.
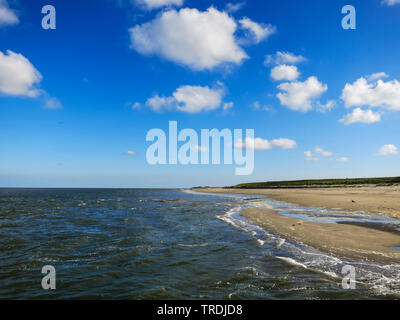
(319, 183)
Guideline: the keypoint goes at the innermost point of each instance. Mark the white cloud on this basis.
(299, 95)
(130, 153)
(195, 99)
(326, 107)
(52, 103)
(234, 7)
(155, 4)
(313, 156)
(18, 76)
(283, 58)
(390, 2)
(284, 72)
(258, 32)
(199, 40)
(319, 150)
(310, 157)
(342, 159)
(257, 106)
(372, 94)
(136, 105)
(262, 144)
(284, 143)
(159, 104)
(376, 76)
(227, 106)
(388, 149)
(189, 99)
(362, 116)
(7, 16)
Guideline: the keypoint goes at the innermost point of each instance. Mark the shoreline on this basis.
(376, 200)
(350, 240)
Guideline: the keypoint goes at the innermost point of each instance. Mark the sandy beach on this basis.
(352, 241)
(377, 200)
(342, 240)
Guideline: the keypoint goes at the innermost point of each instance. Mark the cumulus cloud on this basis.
(390, 2)
(256, 32)
(299, 96)
(283, 58)
(194, 99)
(18, 77)
(285, 72)
(342, 159)
(361, 116)
(155, 4)
(234, 7)
(158, 104)
(388, 149)
(373, 94)
(7, 16)
(199, 40)
(262, 144)
(189, 99)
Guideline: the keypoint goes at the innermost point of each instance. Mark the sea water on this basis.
(166, 244)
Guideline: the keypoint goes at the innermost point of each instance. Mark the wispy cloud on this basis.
(388, 149)
(283, 58)
(7, 16)
(234, 7)
(130, 153)
(262, 144)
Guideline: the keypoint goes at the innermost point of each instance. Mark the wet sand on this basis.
(377, 200)
(339, 239)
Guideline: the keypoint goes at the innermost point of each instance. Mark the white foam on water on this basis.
(194, 245)
(382, 280)
(261, 242)
(281, 243)
(292, 262)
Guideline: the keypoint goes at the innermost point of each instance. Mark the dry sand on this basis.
(378, 200)
(343, 240)
(351, 241)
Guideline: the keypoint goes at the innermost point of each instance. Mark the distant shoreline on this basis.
(384, 200)
(324, 183)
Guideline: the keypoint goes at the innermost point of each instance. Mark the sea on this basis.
(170, 244)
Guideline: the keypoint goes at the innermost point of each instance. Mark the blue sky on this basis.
(284, 68)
